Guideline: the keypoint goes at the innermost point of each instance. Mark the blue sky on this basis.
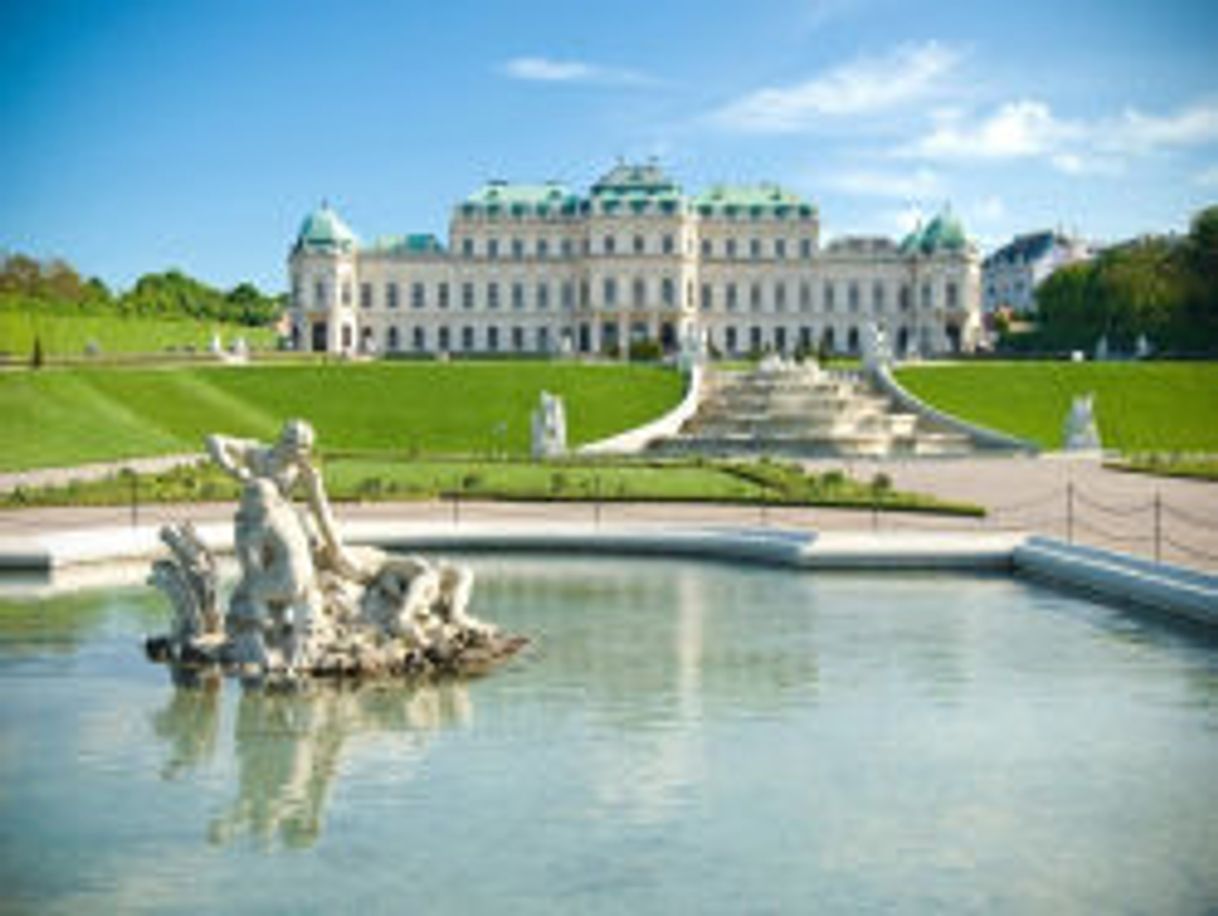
(135, 136)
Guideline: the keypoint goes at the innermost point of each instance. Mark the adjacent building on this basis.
(543, 269)
(1011, 274)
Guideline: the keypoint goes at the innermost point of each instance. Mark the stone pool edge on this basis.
(1129, 580)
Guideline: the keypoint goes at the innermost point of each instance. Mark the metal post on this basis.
(875, 512)
(596, 501)
(135, 498)
(456, 508)
(1158, 528)
(1070, 512)
(765, 517)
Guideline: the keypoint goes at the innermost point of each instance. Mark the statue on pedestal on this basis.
(1081, 433)
(549, 427)
(306, 604)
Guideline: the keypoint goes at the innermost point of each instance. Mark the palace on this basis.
(541, 269)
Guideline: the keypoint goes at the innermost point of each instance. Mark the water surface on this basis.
(682, 737)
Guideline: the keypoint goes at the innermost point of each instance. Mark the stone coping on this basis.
(1109, 575)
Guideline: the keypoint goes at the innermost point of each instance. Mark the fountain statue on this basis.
(549, 427)
(305, 604)
(1081, 433)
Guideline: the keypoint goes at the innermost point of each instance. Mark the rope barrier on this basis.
(1108, 535)
(1190, 551)
(1050, 497)
(1084, 500)
(1190, 518)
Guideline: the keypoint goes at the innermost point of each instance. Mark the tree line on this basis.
(1163, 288)
(54, 285)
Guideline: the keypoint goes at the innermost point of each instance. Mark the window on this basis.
(442, 295)
(707, 302)
(467, 295)
(668, 292)
(609, 244)
(729, 339)
(927, 296)
(346, 294)
(639, 245)
(877, 296)
(585, 293)
(391, 295)
(319, 294)
(730, 246)
(517, 249)
(365, 295)
(492, 338)
(492, 295)
(730, 296)
(754, 248)
(829, 297)
(492, 248)
(543, 248)
(707, 248)
(780, 248)
(296, 292)
(668, 244)
(852, 296)
(780, 297)
(567, 248)
(568, 294)
(755, 339)
(805, 297)
(904, 297)
(952, 296)
(391, 340)
(517, 295)
(805, 248)
(610, 291)
(639, 293)
(517, 339)
(543, 296)
(467, 338)
(543, 340)
(417, 298)
(420, 338)
(443, 341)
(467, 248)
(755, 297)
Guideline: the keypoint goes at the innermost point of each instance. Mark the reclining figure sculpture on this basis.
(305, 604)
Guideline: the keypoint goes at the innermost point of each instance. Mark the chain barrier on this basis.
(1106, 534)
(1111, 510)
(1191, 551)
(1190, 518)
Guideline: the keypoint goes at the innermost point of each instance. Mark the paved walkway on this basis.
(1109, 508)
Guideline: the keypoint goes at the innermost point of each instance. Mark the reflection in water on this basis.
(288, 745)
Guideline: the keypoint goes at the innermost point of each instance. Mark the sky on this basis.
(138, 136)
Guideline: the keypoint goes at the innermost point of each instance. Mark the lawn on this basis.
(380, 477)
(69, 334)
(1140, 407)
(60, 417)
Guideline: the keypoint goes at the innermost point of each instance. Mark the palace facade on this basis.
(541, 269)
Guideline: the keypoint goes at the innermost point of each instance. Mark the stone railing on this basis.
(635, 440)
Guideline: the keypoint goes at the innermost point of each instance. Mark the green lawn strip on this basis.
(1139, 406)
(1197, 467)
(70, 334)
(62, 417)
(380, 478)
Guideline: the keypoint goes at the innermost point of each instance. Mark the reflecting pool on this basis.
(682, 737)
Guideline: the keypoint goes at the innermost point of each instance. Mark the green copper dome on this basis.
(943, 233)
(325, 230)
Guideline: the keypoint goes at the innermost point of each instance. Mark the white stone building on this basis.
(1011, 274)
(541, 269)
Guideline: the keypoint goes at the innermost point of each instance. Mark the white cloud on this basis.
(862, 86)
(1029, 129)
(547, 70)
(1208, 178)
(990, 210)
(915, 185)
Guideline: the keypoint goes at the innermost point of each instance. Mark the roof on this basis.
(751, 200)
(943, 233)
(1030, 246)
(324, 230)
(626, 178)
(412, 243)
(500, 197)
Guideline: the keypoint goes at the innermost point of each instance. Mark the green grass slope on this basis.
(70, 416)
(70, 334)
(1140, 407)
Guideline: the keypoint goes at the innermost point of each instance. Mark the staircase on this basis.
(801, 411)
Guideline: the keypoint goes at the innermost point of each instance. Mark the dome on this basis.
(944, 232)
(325, 229)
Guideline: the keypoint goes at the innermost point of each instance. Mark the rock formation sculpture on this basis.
(305, 604)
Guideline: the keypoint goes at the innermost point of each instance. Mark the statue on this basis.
(549, 427)
(876, 352)
(1081, 433)
(1101, 349)
(305, 604)
(1142, 348)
